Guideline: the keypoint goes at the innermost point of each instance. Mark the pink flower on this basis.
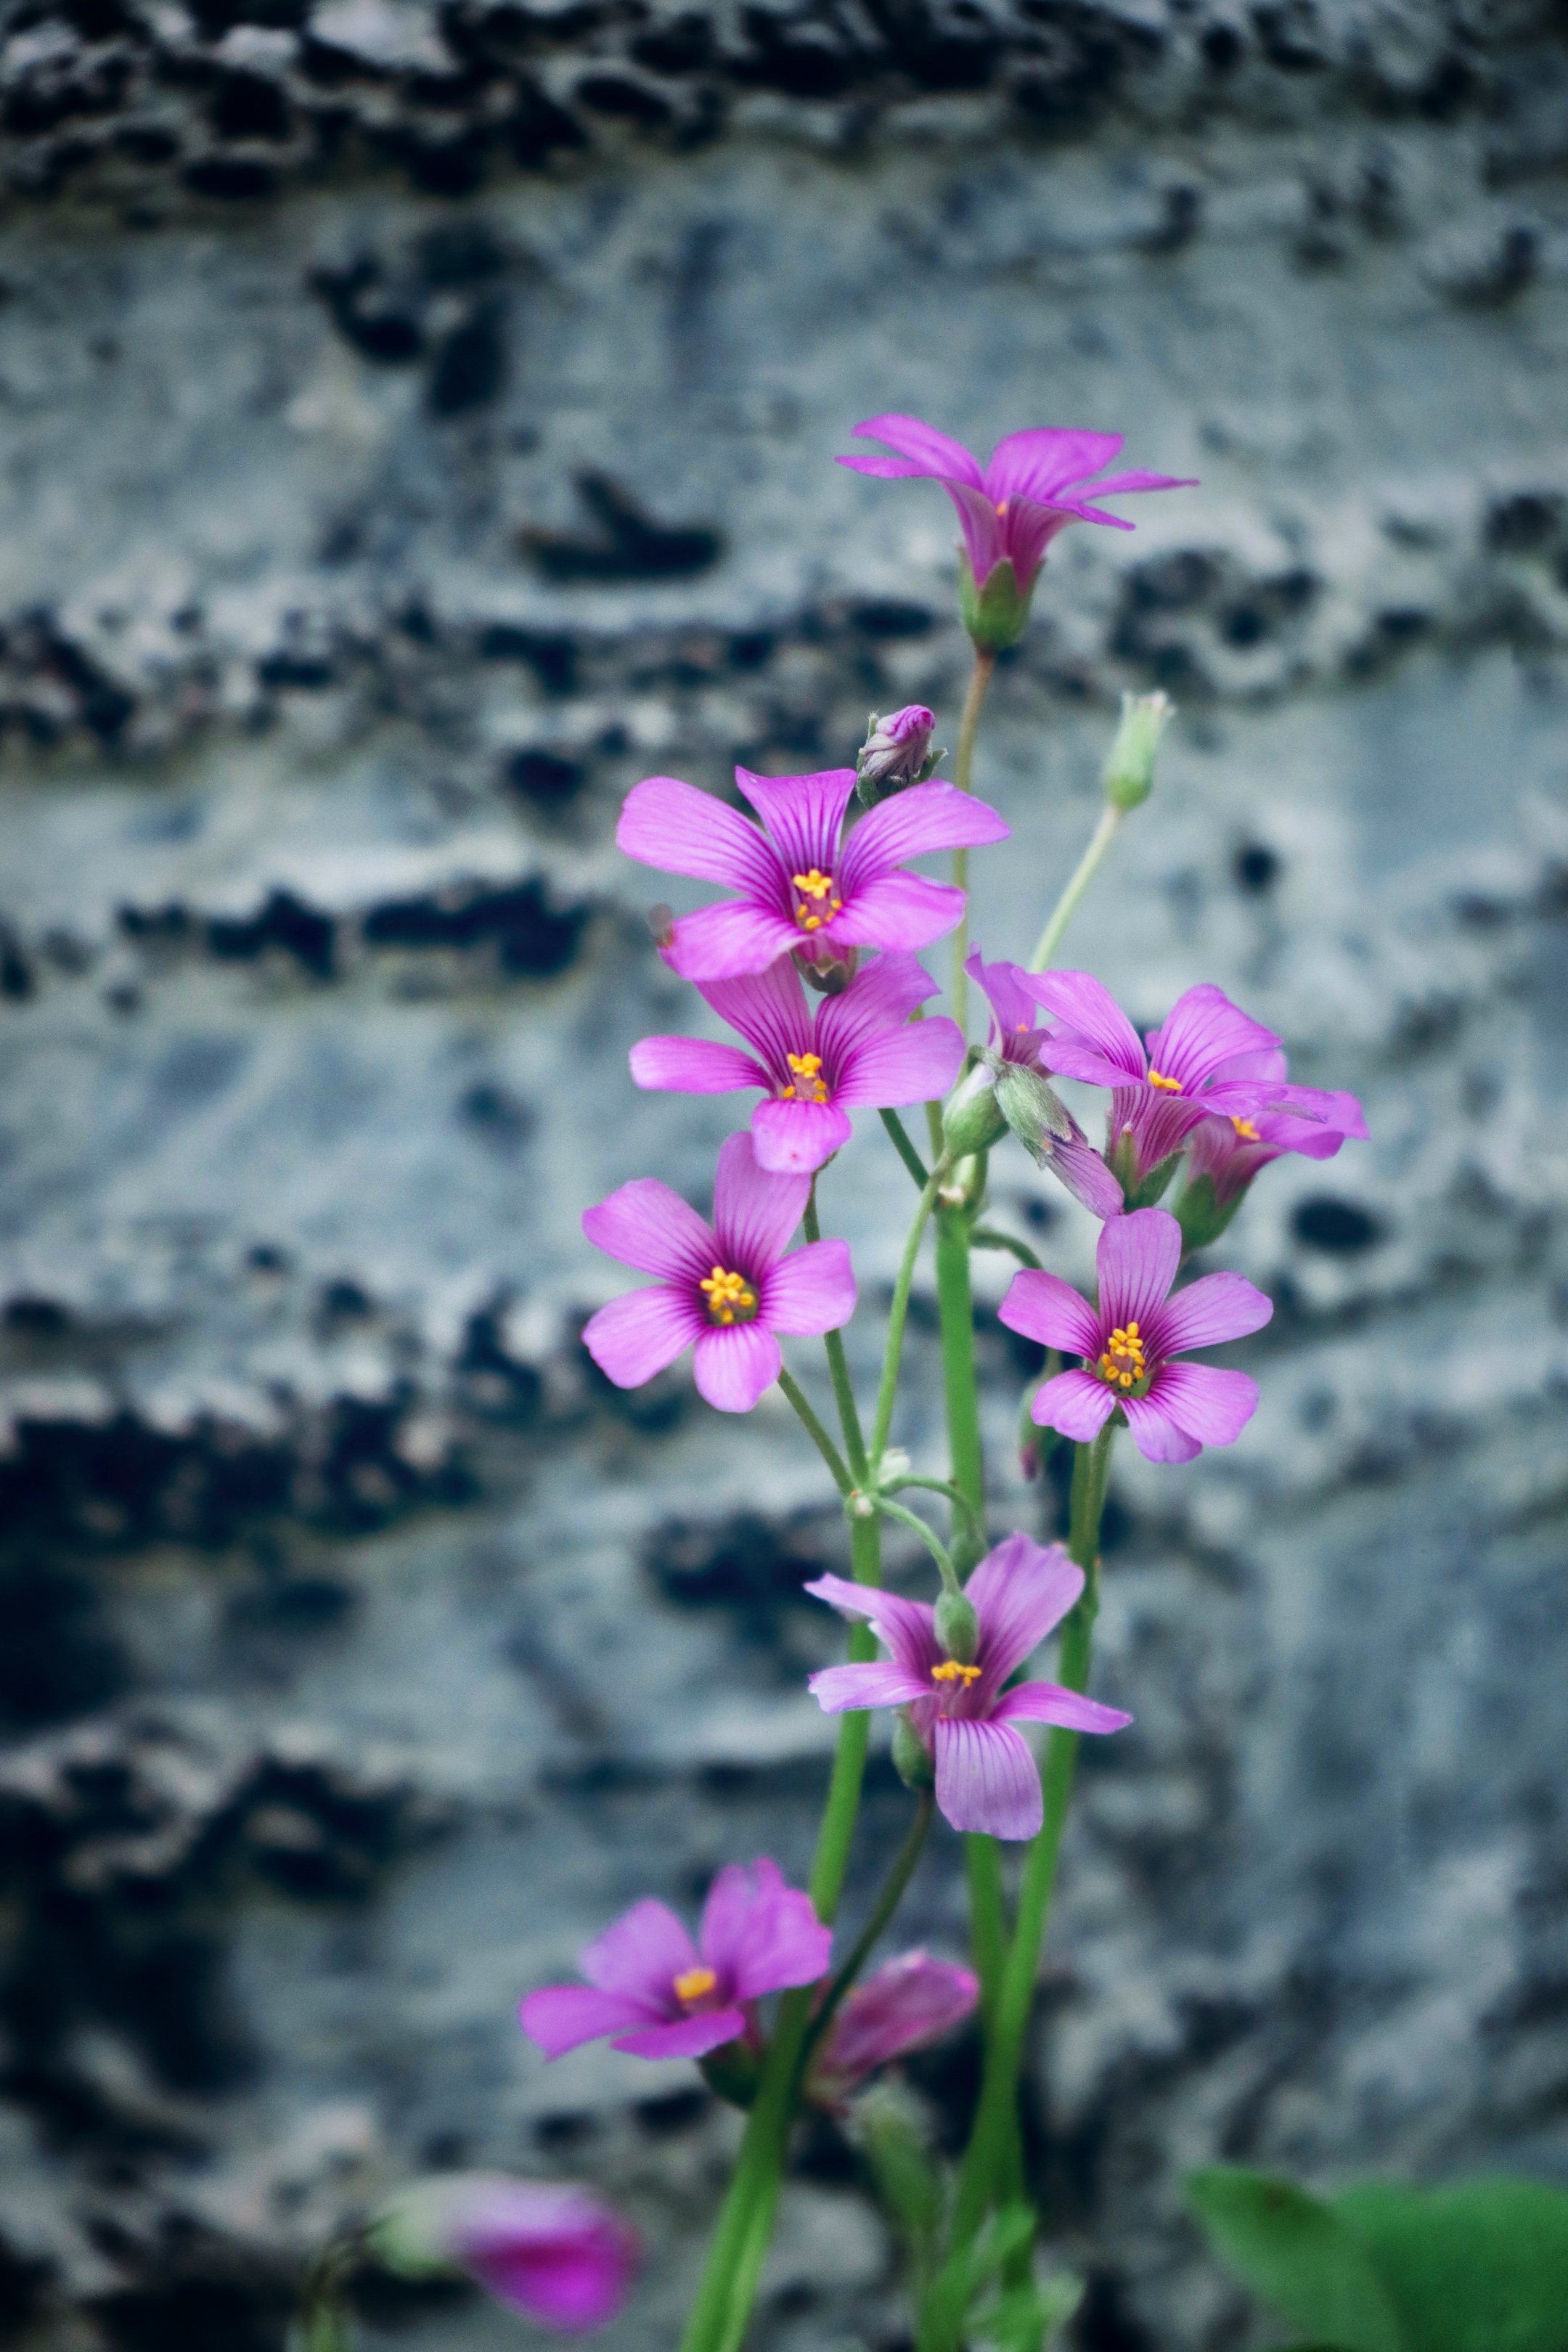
(800, 887)
(986, 1777)
(910, 2003)
(1035, 484)
(725, 1289)
(1208, 1060)
(1129, 1342)
(896, 752)
(1232, 1150)
(555, 2252)
(860, 1047)
(1016, 1036)
(655, 1994)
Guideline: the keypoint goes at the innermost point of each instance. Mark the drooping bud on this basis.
(1030, 1106)
(996, 610)
(555, 2252)
(912, 1757)
(896, 752)
(973, 1119)
(1130, 770)
(907, 2005)
(957, 1627)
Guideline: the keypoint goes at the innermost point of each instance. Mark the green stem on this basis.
(817, 1434)
(838, 1366)
(896, 1314)
(987, 1237)
(1088, 866)
(987, 1920)
(903, 1147)
(886, 1902)
(942, 1486)
(956, 1310)
(964, 763)
(931, 1540)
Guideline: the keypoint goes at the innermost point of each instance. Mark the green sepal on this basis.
(973, 1119)
(957, 1627)
(1030, 1106)
(1156, 1183)
(1130, 770)
(732, 2073)
(1199, 1214)
(996, 613)
(912, 1757)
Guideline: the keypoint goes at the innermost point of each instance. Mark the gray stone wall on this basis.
(417, 425)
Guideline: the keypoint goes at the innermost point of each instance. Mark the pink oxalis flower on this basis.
(553, 2251)
(800, 887)
(1017, 1037)
(1232, 1150)
(859, 1047)
(726, 1289)
(1130, 1341)
(986, 1777)
(655, 1994)
(908, 2004)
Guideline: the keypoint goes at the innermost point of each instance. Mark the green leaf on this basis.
(1022, 2319)
(1300, 2256)
(1479, 2268)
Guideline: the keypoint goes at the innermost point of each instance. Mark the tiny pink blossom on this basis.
(655, 1994)
(908, 2004)
(800, 887)
(727, 1288)
(859, 1047)
(552, 2251)
(1130, 1341)
(1232, 1150)
(1018, 1038)
(986, 1777)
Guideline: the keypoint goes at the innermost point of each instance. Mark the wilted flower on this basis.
(1129, 1341)
(555, 2252)
(860, 1047)
(801, 888)
(908, 2004)
(896, 753)
(655, 1994)
(986, 1777)
(726, 1289)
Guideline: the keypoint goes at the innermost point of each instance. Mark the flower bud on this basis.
(555, 2252)
(996, 611)
(896, 752)
(912, 1757)
(973, 1119)
(958, 1627)
(1130, 770)
(1031, 1108)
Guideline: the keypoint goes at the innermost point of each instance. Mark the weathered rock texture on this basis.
(417, 425)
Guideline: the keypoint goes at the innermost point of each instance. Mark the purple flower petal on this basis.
(634, 1338)
(640, 1955)
(803, 815)
(733, 1368)
(1050, 1703)
(897, 910)
(907, 1627)
(840, 1690)
(645, 1225)
(1137, 1258)
(1202, 1029)
(1078, 1166)
(760, 1936)
(913, 824)
(753, 1214)
(1076, 1403)
(985, 538)
(1159, 1123)
(1003, 985)
(1020, 1590)
(1047, 459)
(1044, 1307)
(1205, 1402)
(1217, 1307)
(986, 1778)
(692, 1065)
(556, 2254)
(811, 1291)
(768, 1008)
(907, 2005)
(927, 452)
(1154, 1434)
(561, 2017)
(1097, 1021)
(688, 2037)
(792, 1138)
(737, 936)
(913, 1064)
(678, 829)
(880, 997)
(1117, 485)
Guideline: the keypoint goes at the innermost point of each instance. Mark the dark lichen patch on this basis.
(629, 545)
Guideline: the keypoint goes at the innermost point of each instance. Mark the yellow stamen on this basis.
(950, 1671)
(692, 1983)
(812, 1087)
(1172, 1086)
(1121, 1362)
(814, 886)
(731, 1298)
(1246, 1130)
(1002, 508)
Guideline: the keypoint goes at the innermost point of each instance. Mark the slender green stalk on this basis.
(1088, 866)
(987, 1919)
(897, 1313)
(903, 1147)
(962, 767)
(933, 1129)
(838, 1366)
(817, 1434)
(987, 1237)
(957, 1313)
(928, 1535)
(886, 1902)
(942, 1487)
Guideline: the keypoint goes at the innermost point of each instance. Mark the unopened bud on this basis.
(1130, 770)
(896, 752)
(1031, 1108)
(973, 1119)
(958, 1627)
(661, 923)
(912, 1757)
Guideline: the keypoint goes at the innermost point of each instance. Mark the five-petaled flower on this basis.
(553, 2251)
(1129, 1341)
(725, 1289)
(655, 1994)
(861, 1047)
(1018, 1038)
(986, 1777)
(908, 2004)
(1208, 1059)
(802, 887)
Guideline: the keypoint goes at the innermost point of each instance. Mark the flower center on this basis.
(1171, 1086)
(809, 1085)
(731, 1298)
(1121, 1364)
(692, 1983)
(1245, 1132)
(950, 1671)
(1001, 510)
(816, 905)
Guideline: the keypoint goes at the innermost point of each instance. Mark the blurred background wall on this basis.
(415, 424)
